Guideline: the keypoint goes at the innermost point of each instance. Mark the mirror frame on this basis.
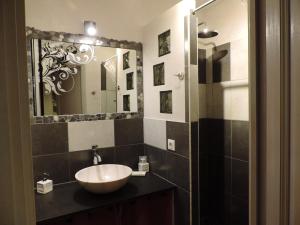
(32, 33)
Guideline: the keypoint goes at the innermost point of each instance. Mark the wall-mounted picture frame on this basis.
(166, 102)
(159, 74)
(126, 102)
(126, 61)
(164, 43)
(129, 81)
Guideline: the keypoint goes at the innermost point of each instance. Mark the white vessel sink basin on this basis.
(104, 178)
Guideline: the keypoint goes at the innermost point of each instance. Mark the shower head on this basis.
(207, 34)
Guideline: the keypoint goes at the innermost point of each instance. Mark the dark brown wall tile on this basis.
(157, 160)
(221, 63)
(240, 175)
(202, 66)
(129, 131)
(129, 155)
(180, 133)
(107, 155)
(82, 159)
(203, 135)
(78, 161)
(239, 212)
(240, 140)
(177, 170)
(55, 165)
(49, 138)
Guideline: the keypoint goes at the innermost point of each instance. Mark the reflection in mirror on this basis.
(71, 78)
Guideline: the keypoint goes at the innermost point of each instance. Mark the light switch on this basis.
(171, 144)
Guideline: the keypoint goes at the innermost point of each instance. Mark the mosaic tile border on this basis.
(99, 41)
(84, 117)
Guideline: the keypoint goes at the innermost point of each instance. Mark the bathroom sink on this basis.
(104, 178)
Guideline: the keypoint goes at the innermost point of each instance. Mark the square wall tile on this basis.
(177, 170)
(157, 160)
(219, 137)
(239, 211)
(239, 59)
(240, 140)
(49, 138)
(155, 133)
(202, 66)
(240, 179)
(129, 155)
(55, 165)
(82, 159)
(79, 160)
(240, 101)
(202, 101)
(180, 133)
(82, 135)
(128, 131)
(221, 63)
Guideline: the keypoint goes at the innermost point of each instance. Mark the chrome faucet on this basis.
(96, 157)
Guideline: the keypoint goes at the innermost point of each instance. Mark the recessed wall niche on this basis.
(129, 81)
(159, 74)
(126, 102)
(166, 102)
(126, 61)
(164, 43)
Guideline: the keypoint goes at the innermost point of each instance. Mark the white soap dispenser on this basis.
(44, 186)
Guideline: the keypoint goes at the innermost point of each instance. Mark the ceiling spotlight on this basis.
(90, 28)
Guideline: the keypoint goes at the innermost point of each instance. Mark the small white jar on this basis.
(143, 164)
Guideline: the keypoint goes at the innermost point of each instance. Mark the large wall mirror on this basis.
(73, 74)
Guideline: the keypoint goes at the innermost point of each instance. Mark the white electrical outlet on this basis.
(171, 144)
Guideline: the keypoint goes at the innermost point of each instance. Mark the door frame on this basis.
(272, 113)
(17, 195)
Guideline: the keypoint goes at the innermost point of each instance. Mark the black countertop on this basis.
(71, 198)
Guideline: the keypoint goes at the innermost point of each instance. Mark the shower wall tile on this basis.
(240, 140)
(223, 171)
(155, 133)
(240, 103)
(202, 101)
(239, 59)
(180, 133)
(202, 66)
(239, 211)
(49, 138)
(82, 135)
(222, 65)
(128, 131)
(228, 100)
(204, 135)
(240, 175)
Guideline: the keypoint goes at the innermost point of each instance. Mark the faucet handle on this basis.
(94, 147)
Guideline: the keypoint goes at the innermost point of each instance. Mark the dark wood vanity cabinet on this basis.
(153, 209)
(149, 210)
